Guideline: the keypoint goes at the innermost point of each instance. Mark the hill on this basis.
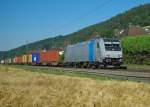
(3, 54)
(137, 16)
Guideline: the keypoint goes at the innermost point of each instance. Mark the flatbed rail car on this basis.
(100, 52)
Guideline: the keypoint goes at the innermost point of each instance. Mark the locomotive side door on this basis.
(98, 51)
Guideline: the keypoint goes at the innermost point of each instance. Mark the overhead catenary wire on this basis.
(100, 6)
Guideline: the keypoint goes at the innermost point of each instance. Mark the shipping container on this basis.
(30, 58)
(49, 57)
(14, 60)
(18, 60)
(54, 56)
(35, 58)
(44, 58)
(25, 59)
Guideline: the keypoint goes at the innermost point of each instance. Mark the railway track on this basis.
(114, 74)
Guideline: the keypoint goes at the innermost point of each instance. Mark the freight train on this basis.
(99, 52)
(50, 57)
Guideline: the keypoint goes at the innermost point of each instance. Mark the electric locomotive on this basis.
(99, 52)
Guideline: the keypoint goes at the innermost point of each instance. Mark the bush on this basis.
(136, 49)
(135, 45)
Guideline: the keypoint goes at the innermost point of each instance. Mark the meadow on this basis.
(22, 88)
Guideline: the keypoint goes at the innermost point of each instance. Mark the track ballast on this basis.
(113, 73)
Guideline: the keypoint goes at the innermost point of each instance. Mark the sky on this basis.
(26, 21)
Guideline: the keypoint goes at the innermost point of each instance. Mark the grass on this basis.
(138, 67)
(62, 72)
(20, 88)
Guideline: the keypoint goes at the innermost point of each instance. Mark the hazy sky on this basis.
(23, 21)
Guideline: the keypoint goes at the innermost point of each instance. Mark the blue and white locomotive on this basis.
(99, 52)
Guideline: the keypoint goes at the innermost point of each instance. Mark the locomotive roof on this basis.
(105, 39)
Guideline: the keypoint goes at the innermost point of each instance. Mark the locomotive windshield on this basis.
(112, 45)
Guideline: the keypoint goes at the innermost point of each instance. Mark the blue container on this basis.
(35, 58)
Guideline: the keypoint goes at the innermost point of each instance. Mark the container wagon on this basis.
(30, 59)
(25, 59)
(17, 60)
(34, 58)
(50, 57)
(99, 52)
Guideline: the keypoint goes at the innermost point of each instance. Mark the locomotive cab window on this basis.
(112, 47)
